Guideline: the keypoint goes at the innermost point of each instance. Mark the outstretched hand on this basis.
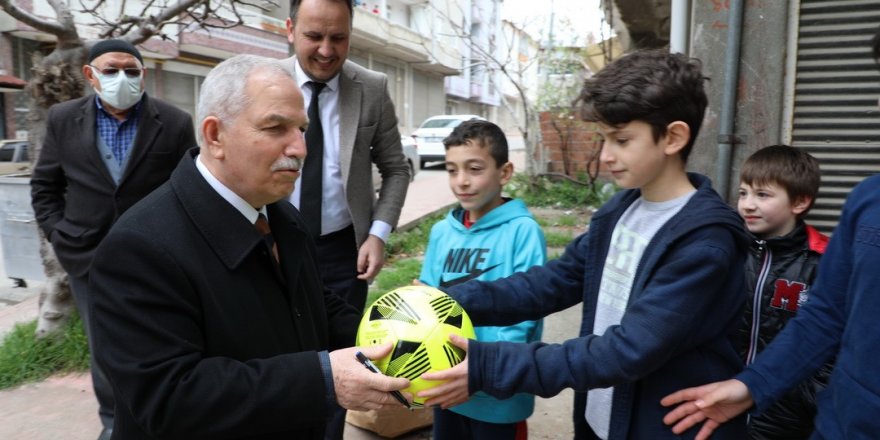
(358, 388)
(455, 390)
(712, 404)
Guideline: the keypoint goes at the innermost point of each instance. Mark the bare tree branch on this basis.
(146, 7)
(174, 11)
(51, 27)
(153, 24)
(265, 6)
(93, 10)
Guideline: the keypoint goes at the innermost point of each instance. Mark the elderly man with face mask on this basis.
(101, 154)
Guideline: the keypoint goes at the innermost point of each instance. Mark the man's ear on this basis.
(678, 133)
(290, 29)
(89, 75)
(213, 137)
(800, 205)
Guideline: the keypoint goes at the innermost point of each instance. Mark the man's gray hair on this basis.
(223, 92)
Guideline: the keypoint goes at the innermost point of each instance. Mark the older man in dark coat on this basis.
(211, 324)
(101, 154)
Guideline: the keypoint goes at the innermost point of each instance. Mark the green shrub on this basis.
(401, 273)
(558, 193)
(567, 220)
(402, 244)
(24, 358)
(557, 239)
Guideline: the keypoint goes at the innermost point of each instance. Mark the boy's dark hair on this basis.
(484, 134)
(294, 8)
(791, 168)
(653, 86)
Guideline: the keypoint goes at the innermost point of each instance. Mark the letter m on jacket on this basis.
(787, 295)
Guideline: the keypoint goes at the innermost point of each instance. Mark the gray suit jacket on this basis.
(368, 134)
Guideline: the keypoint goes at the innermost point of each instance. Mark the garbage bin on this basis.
(19, 238)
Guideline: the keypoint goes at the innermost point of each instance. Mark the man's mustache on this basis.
(287, 164)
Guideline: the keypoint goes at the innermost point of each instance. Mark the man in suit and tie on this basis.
(207, 304)
(352, 124)
(102, 153)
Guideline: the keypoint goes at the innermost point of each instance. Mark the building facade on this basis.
(400, 38)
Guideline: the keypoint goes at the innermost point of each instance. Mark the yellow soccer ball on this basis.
(417, 320)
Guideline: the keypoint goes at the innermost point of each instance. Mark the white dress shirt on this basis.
(334, 207)
(245, 208)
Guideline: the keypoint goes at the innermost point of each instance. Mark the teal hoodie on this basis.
(504, 241)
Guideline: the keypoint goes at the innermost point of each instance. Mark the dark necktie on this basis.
(262, 226)
(313, 170)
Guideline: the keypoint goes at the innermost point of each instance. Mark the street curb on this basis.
(415, 222)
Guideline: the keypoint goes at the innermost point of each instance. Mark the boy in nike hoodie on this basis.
(659, 272)
(487, 237)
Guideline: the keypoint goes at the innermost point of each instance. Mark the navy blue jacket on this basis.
(685, 302)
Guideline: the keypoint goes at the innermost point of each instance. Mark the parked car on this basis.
(412, 158)
(9, 147)
(429, 136)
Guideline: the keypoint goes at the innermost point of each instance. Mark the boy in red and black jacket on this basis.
(778, 185)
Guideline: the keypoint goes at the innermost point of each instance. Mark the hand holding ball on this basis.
(417, 320)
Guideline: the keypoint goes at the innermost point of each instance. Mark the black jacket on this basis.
(779, 272)
(200, 337)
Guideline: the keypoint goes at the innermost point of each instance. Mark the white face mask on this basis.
(120, 91)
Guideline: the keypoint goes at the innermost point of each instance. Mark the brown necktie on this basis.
(262, 226)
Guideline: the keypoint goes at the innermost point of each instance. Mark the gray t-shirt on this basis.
(631, 236)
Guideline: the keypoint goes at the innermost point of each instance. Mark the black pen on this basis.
(366, 362)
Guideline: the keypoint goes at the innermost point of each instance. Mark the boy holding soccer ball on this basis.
(659, 272)
(487, 237)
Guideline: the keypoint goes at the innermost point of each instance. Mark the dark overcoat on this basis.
(200, 335)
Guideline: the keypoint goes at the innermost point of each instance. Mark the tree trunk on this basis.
(57, 78)
(535, 163)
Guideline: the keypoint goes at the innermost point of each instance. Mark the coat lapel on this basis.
(149, 127)
(233, 239)
(350, 96)
(88, 142)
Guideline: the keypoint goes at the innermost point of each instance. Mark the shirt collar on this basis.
(302, 78)
(245, 208)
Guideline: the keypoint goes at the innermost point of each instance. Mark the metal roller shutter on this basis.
(837, 85)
